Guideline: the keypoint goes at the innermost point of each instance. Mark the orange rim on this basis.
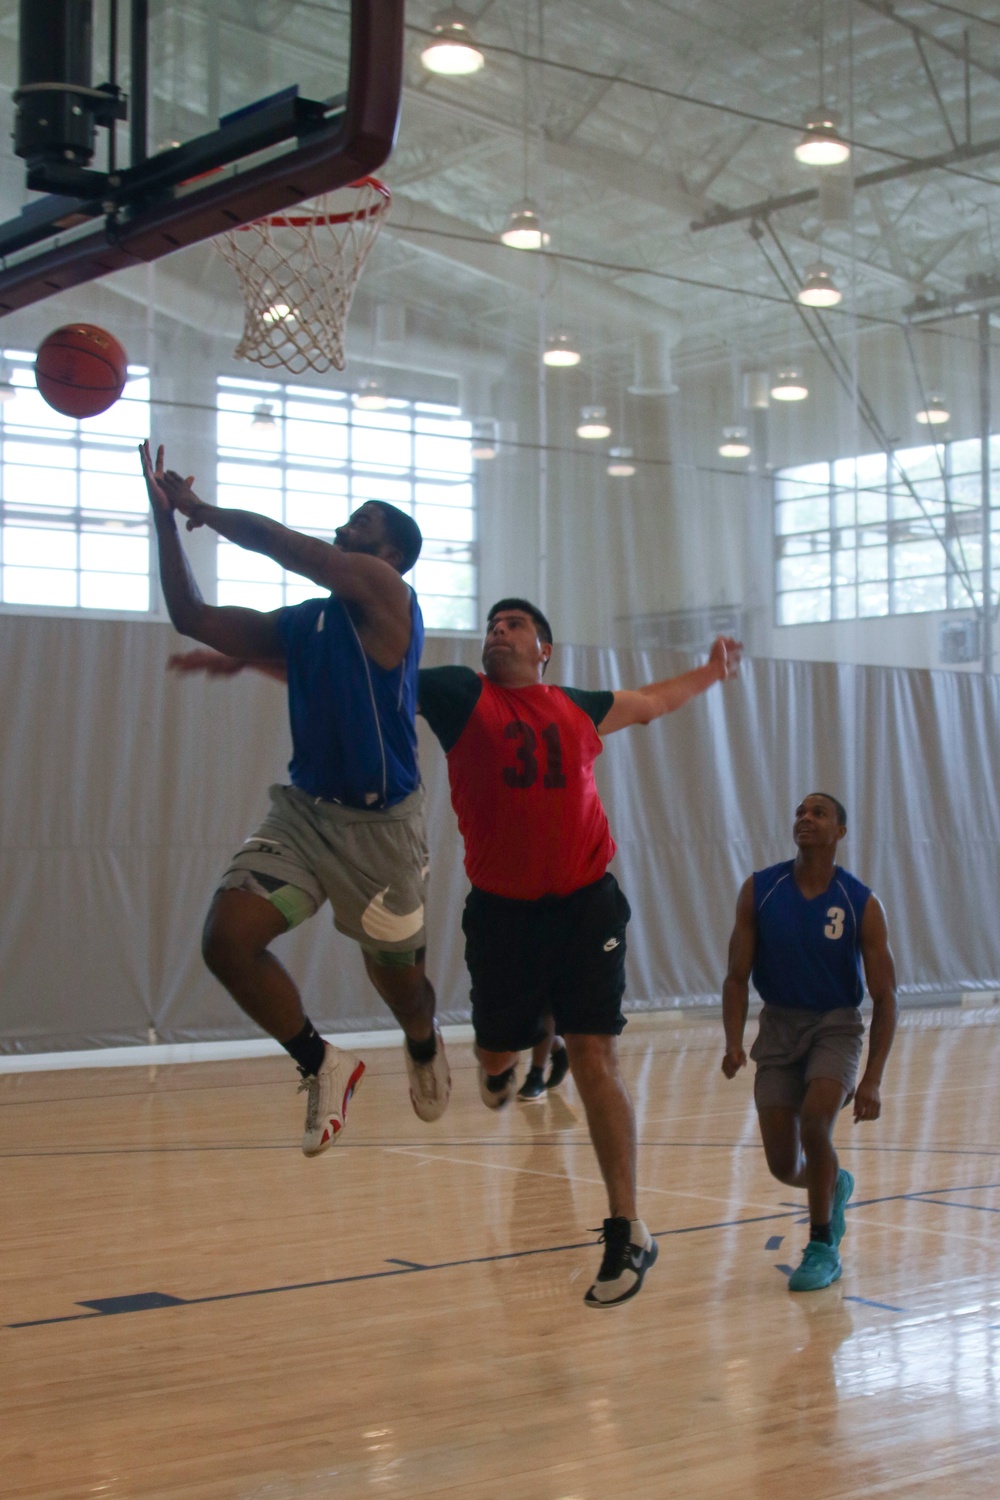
(301, 221)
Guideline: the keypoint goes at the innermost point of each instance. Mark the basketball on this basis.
(80, 369)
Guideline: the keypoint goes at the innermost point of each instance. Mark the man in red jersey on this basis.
(545, 921)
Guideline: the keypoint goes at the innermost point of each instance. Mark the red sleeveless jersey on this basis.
(522, 783)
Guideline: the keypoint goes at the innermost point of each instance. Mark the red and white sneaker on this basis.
(328, 1094)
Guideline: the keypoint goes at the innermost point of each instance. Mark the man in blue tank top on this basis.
(350, 827)
(803, 930)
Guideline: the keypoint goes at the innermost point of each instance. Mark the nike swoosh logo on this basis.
(611, 944)
(389, 926)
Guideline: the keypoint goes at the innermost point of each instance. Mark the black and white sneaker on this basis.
(559, 1068)
(498, 1089)
(533, 1086)
(629, 1251)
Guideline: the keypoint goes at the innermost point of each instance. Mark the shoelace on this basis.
(310, 1086)
(615, 1239)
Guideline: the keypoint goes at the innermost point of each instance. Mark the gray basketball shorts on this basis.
(795, 1046)
(372, 867)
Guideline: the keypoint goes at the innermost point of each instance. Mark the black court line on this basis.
(153, 1301)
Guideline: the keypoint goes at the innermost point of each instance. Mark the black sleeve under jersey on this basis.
(446, 696)
(595, 705)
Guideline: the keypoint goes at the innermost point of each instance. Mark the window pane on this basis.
(873, 562)
(236, 562)
(803, 515)
(916, 559)
(446, 522)
(265, 502)
(39, 547)
(39, 586)
(804, 572)
(803, 608)
(845, 566)
(113, 492)
(40, 455)
(443, 578)
(315, 513)
(845, 602)
(264, 596)
(448, 614)
(914, 595)
(114, 591)
(372, 446)
(371, 487)
(444, 494)
(805, 482)
(39, 487)
(106, 553)
(317, 439)
(873, 599)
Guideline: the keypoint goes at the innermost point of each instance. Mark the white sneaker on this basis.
(430, 1082)
(328, 1095)
(495, 1100)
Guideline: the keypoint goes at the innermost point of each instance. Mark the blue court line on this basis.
(977, 1208)
(774, 1242)
(883, 1306)
(152, 1301)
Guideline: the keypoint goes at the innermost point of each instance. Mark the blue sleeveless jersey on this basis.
(354, 738)
(808, 953)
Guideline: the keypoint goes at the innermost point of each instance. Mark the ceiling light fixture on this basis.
(263, 415)
(278, 312)
(734, 443)
(819, 288)
(484, 439)
(560, 352)
(620, 465)
(935, 413)
(789, 386)
(370, 395)
(452, 53)
(822, 145)
(524, 228)
(593, 423)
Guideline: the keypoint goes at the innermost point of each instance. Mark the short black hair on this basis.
(841, 809)
(402, 532)
(527, 608)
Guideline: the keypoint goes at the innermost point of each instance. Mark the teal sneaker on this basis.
(841, 1197)
(820, 1267)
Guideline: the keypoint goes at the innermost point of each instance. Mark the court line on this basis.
(157, 1301)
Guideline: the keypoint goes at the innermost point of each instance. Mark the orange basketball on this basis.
(80, 369)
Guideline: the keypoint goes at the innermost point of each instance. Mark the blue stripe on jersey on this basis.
(808, 952)
(353, 734)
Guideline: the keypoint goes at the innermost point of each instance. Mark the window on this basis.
(308, 458)
(74, 530)
(884, 534)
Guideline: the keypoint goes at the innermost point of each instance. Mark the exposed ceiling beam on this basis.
(883, 8)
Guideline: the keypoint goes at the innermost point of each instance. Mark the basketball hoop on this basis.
(298, 271)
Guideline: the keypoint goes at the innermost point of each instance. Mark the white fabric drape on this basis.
(125, 790)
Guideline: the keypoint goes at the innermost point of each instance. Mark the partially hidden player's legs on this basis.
(593, 1061)
(239, 927)
(533, 1086)
(629, 1248)
(409, 994)
(800, 1152)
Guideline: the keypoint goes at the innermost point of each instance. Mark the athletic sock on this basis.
(422, 1052)
(821, 1232)
(639, 1234)
(307, 1048)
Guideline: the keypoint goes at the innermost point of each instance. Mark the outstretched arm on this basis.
(370, 583)
(643, 705)
(241, 632)
(880, 977)
(736, 986)
(214, 664)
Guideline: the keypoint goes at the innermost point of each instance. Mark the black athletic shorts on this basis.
(562, 953)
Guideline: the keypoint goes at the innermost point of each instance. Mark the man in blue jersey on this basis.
(350, 828)
(803, 930)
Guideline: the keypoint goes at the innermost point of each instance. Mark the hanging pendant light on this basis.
(789, 386)
(593, 423)
(819, 288)
(263, 415)
(822, 145)
(561, 352)
(620, 465)
(453, 52)
(734, 443)
(524, 228)
(935, 413)
(370, 395)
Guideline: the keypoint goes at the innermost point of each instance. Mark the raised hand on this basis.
(726, 654)
(183, 498)
(156, 489)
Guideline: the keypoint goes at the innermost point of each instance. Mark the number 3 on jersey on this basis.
(835, 927)
(525, 773)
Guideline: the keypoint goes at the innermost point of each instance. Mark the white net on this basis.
(298, 272)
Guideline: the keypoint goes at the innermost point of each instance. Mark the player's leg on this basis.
(533, 1086)
(402, 983)
(588, 935)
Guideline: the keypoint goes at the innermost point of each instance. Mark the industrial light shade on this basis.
(484, 439)
(819, 288)
(453, 52)
(593, 423)
(935, 413)
(263, 415)
(524, 228)
(822, 145)
(620, 465)
(8, 390)
(789, 386)
(560, 352)
(734, 443)
(370, 395)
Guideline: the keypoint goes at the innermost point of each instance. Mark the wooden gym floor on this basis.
(191, 1309)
